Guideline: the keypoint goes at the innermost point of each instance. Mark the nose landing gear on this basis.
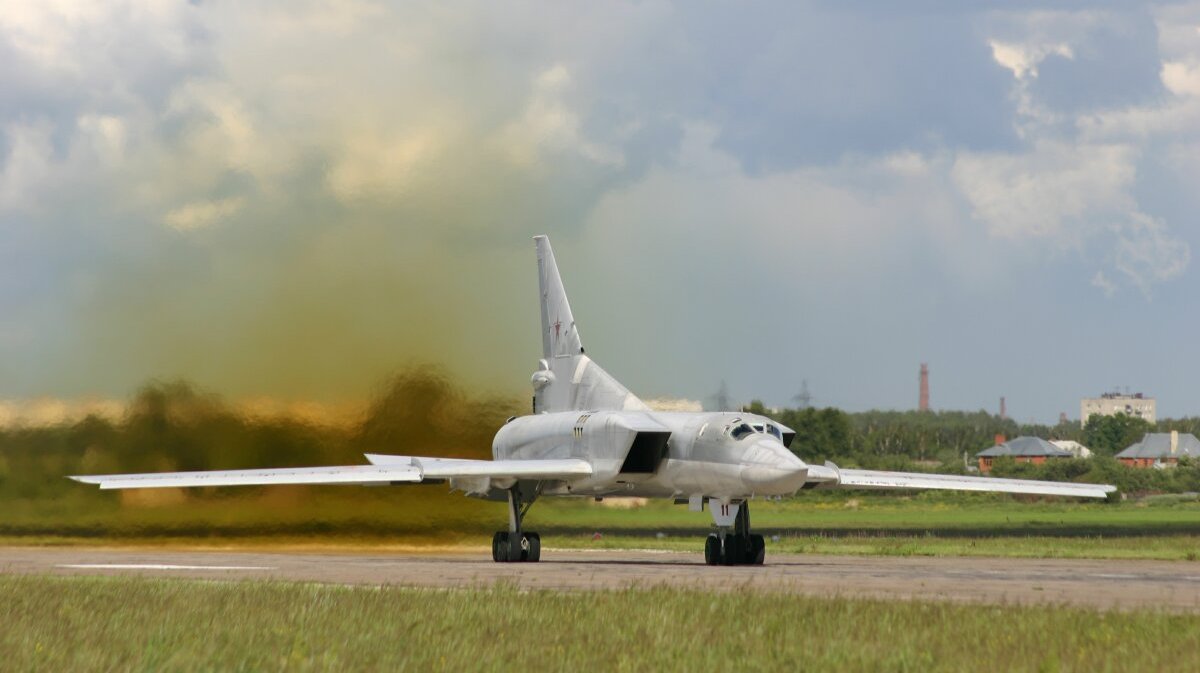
(514, 545)
(738, 547)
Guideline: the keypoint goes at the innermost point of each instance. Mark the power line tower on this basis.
(721, 399)
(923, 403)
(803, 398)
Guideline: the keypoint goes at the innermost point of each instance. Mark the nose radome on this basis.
(771, 469)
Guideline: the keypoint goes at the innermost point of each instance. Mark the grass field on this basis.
(1164, 548)
(926, 524)
(141, 624)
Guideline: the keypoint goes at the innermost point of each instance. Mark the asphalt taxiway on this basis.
(1172, 585)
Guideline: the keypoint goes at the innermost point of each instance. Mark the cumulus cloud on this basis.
(1023, 59)
(1075, 182)
(1056, 190)
(333, 161)
(549, 125)
(1182, 78)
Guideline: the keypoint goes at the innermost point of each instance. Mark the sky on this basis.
(294, 199)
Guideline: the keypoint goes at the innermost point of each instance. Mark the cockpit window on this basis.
(774, 432)
(741, 431)
(758, 427)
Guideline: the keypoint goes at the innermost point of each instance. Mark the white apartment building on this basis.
(1136, 405)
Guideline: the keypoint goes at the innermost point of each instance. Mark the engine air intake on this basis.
(646, 453)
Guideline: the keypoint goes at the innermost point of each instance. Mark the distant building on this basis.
(1111, 404)
(1021, 449)
(1160, 449)
(1077, 450)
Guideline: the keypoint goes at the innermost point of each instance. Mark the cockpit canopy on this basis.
(740, 430)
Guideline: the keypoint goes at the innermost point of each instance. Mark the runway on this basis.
(1173, 585)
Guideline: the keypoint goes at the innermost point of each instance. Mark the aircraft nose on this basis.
(772, 469)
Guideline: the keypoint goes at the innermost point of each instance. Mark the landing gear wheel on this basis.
(513, 548)
(515, 545)
(733, 550)
(757, 550)
(533, 547)
(500, 547)
(712, 550)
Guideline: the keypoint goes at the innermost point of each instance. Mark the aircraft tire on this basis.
(734, 550)
(500, 547)
(757, 552)
(712, 550)
(535, 547)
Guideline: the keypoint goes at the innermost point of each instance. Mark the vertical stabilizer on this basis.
(567, 379)
(560, 337)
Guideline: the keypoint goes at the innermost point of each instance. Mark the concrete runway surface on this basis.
(1172, 585)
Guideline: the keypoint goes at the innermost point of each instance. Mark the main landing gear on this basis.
(514, 545)
(738, 547)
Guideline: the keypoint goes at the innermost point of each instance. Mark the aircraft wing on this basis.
(449, 468)
(390, 470)
(831, 476)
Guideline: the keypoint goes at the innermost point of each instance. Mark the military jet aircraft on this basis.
(589, 436)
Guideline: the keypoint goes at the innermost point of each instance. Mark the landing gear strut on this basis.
(513, 545)
(738, 547)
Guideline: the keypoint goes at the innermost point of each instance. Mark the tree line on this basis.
(173, 426)
(947, 441)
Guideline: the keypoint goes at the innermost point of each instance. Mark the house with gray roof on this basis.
(1161, 449)
(1021, 449)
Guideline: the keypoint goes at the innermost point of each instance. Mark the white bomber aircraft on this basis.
(589, 436)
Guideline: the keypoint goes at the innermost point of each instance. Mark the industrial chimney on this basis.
(923, 404)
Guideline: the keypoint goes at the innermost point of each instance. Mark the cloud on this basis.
(1182, 78)
(549, 125)
(374, 166)
(345, 168)
(106, 135)
(1147, 253)
(1106, 286)
(1057, 191)
(1023, 59)
(201, 214)
(27, 166)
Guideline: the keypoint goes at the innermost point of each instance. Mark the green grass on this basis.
(1165, 548)
(937, 512)
(59, 624)
(833, 523)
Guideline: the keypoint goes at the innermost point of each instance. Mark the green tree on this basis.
(821, 434)
(1108, 435)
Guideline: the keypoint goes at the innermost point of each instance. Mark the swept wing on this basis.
(831, 476)
(384, 470)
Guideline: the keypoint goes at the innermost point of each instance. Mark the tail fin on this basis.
(567, 380)
(560, 337)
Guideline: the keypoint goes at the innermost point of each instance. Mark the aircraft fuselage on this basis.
(659, 454)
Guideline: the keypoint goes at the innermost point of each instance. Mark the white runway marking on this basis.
(154, 566)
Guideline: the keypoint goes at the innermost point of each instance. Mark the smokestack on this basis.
(1003, 409)
(1174, 441)
(1062, 418)
(923, 403)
